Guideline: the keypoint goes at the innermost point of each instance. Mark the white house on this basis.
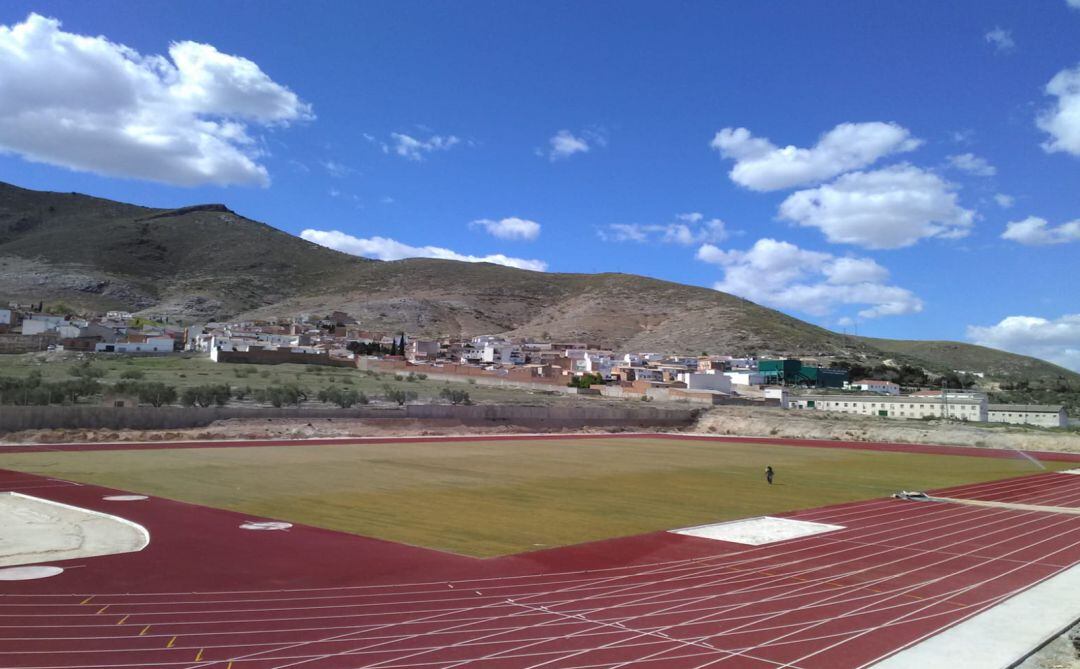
(875, 386)
(5, 316)
(118, 315)
(40, 323)
(905, 406)
(503, 354)
(472, 355)
(422, 349)
(697, 381)
(278, 340)
(746, 378)
(67, 330)
(1043, 415)
(159, 344)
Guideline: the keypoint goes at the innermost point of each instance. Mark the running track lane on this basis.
(898, 572)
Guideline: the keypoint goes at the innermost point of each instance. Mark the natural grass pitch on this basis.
(488, 498)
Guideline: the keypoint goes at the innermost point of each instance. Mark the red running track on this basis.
(206, 594)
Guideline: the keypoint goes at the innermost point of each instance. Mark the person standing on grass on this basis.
(768, 473)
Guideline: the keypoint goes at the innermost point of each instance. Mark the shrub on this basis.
(206, 395)
(156, 394)
(279, 396)
(86, 370)
(343, 398)
(400, 397)
(455, 396)
(132, 374)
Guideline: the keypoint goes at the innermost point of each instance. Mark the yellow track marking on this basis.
(171, 642)
(102, 609)
(121, 621)
(198, 656)
(87, 600)
(144, 630)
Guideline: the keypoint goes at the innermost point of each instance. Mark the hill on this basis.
(207, 262)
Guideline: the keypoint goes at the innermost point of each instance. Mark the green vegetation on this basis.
(344, 398)
(586, 381)
(206, 395)
(181, 372)
(493, 498)
(455, 396)
(398, 396)
(906, 376)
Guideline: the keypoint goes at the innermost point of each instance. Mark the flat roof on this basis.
(891, 399)
(1028, 408)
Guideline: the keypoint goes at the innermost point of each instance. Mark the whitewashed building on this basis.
(746, 378)
(41, 323)
(1043, 415)
(162, 344)
(503, 354)
(905, 406)
(875, 386)
(5, 316)
(701, 381)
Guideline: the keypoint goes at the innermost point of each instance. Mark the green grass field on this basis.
(498, 497)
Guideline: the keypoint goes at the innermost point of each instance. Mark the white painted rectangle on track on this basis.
(1003, 635)
(758, 531)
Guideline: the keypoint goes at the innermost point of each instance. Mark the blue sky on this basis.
(383, 128)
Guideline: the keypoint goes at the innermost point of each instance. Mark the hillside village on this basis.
(573, 367)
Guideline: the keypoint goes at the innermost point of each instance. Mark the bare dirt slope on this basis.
(774, 422)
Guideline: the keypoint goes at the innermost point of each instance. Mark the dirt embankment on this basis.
(769, 422)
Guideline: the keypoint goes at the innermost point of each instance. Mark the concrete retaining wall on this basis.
(15, 418)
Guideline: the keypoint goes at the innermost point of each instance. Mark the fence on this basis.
(15, 418)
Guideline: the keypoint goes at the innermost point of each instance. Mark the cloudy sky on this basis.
(896, 169)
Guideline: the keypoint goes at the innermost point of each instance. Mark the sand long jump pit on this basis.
(39, 530)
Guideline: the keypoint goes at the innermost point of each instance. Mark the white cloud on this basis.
(92, 105)
(1001, 39)
(965, 136)
(691, 228)
(1055, 340)
(884, 209)
(783, 275)
(336, 169)
(1075, 4)
(389, 249)
(972, 164)
(565, 144)
(1035, 231)
(762, 166)
(509, 228)
(1006, 201)
(411, 148)
(1062, 121)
